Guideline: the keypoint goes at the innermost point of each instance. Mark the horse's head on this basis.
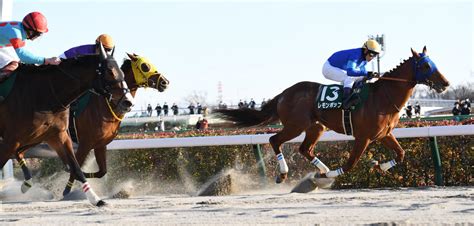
(146, 75)
(427, 73)
(111, 83)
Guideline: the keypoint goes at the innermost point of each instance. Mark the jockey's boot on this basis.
(348, 99)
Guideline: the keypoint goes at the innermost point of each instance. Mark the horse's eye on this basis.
(145, 67)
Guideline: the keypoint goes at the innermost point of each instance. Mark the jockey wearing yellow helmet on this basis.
(12, 42)
(106, 41)
(348, 67)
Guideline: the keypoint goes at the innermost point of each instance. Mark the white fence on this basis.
(254, 139)
(263, 138)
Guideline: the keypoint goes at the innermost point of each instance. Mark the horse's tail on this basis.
(246, 117)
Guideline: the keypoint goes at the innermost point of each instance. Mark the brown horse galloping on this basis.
(37, 108)
(296, 108)
(98, 125)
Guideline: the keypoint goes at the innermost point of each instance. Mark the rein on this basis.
(395, 79)
(112, 111)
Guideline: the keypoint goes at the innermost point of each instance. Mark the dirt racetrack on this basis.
(406, 206)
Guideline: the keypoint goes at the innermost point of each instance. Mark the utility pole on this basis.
(6, 7)
(381, 40)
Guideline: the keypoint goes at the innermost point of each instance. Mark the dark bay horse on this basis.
(37, 108)
(296, 108)
(98, 124)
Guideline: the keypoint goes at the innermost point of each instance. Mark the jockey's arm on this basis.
(354, 71)
(28, 57)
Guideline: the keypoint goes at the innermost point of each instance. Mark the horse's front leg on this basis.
(359, 147)
(101, 159)
(63, 143)
(391, 142)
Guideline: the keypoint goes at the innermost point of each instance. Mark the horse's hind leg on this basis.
(286, 134)
(313, 134)
(27, 183)
(64, 143)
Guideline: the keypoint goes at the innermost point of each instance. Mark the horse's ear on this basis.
(102, 53)
(132, 57)
(415, 54)
(424, 50)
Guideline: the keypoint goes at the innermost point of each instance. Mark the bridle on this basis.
(420, 77)
(100, 85)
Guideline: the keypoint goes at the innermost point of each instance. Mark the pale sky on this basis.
(256, 49)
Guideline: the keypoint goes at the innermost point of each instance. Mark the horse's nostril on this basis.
(127, 103)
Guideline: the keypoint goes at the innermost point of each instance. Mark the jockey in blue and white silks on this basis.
(348, 67)
(12, 42)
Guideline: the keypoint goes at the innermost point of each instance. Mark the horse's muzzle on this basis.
(162, 85)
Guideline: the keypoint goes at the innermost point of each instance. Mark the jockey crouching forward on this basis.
(12, 42)
(348, 67)
(106, 41)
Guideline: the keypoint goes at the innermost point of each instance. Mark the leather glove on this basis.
(52, 61)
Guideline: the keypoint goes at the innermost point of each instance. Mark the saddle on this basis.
(330, 97)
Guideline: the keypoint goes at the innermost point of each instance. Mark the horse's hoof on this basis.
(66, 191)
(25, 187)
(101, 203)
(373, 163)
(281, 178)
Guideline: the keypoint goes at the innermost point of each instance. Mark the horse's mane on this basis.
(392, 72)
(127, 63)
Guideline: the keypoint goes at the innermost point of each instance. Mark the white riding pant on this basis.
(336, 74)
(7, 55)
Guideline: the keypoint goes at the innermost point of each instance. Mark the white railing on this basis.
(42, 151)
(263, 138)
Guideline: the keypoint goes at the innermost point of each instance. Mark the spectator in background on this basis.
(149, 110)
(252, 103)
(458, 101)
(191, 108)
(417, 109)
(456, 110)
(198, 123)
(199, 108)
(465, 110)
(408, 110)
(158, 109)
(222, 105)
(246, 104)
(174, 108)
(165, 109)
(202, 124)
(241, 104)
(468, 102)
